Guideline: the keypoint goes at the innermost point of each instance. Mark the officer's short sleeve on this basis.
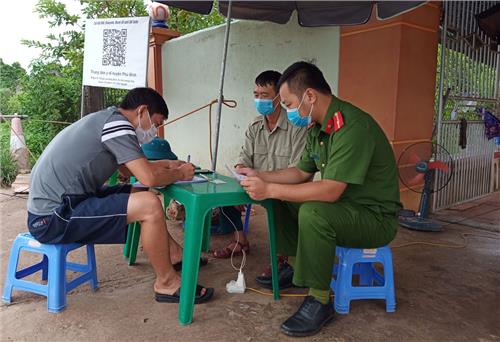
(306, 162)
(351, 153)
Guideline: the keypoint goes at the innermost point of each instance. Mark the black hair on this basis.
(145, 96)
(268, 77)
(302, 75)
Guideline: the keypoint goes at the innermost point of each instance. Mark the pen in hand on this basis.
(189, 158)
(204, 177)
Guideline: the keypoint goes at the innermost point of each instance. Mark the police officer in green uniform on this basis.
(354, 204)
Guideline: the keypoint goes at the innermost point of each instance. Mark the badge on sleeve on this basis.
(335, 123)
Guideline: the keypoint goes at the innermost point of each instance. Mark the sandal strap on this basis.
(281, 261)
(197, 292)
(242, 246)
(226, 251)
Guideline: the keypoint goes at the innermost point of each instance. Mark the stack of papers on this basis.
(196, 179)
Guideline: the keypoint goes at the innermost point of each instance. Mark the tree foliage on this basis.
(459, 75)
(52, 90)
(187, 22)
(68, 45)
(11, 77)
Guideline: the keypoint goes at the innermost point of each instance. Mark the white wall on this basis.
(191, 72)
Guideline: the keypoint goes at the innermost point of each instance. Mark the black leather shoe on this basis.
(285, 276)
(309, 318)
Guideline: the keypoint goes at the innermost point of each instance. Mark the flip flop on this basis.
(178, 266)
(175, 298)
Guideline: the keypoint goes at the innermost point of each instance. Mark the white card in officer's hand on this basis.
(235, 174)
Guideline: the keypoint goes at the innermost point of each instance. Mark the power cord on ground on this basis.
(239, 285)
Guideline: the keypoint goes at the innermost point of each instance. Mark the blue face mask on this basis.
(295, 118)
(265, 106)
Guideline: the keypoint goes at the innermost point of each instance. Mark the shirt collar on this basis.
(282, 121)
(332, 109)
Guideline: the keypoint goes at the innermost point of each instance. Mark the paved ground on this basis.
(443, 294)
(482, 213)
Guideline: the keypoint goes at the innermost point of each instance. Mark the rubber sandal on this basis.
(175, 298)
(178, 266)
(281, 261)
(225, 252)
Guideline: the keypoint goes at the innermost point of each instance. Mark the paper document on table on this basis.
(139, 185)
(196, 179)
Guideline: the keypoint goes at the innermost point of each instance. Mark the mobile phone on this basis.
(235, 174)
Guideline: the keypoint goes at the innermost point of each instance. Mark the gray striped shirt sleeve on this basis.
(118, 137)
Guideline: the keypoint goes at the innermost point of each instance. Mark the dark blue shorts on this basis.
(98, 219)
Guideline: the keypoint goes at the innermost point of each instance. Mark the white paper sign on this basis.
(116, 52)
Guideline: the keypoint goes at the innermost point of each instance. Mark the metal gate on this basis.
(472, 165)
(468, 73)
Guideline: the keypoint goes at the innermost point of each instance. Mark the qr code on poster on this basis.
(114, 47)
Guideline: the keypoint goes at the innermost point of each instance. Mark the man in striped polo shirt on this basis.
(68, 202)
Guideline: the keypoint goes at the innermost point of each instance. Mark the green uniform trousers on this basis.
(311, 230)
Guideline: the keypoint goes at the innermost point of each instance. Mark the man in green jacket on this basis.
(354, 204)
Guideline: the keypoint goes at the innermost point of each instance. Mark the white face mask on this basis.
(145, 137)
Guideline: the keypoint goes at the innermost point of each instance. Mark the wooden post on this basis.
(155, 72)
(93, 99)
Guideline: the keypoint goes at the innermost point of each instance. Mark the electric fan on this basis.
(424, 168)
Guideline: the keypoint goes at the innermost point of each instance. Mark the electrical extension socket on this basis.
(237, 286)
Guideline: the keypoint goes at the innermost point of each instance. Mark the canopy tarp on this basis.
(309, 13)
(489, 22)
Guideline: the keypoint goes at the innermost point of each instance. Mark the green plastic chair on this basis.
(133, 231)
(132, 243)
(133, 237)
(113, 180)
(158, 149)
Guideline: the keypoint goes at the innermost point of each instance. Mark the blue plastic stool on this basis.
(373, 285)
(53, 266)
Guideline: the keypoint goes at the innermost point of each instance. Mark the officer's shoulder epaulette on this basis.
(335, 123)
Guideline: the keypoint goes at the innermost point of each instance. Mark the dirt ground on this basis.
(443, 294)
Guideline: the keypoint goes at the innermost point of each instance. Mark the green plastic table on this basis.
(198, 200)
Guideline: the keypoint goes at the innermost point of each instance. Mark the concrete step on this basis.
(21, 184)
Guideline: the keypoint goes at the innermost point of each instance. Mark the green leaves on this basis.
(56, 13)
(187, 22)
(11, 77)
(113, 9)
(8, 167)
(52, 90)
